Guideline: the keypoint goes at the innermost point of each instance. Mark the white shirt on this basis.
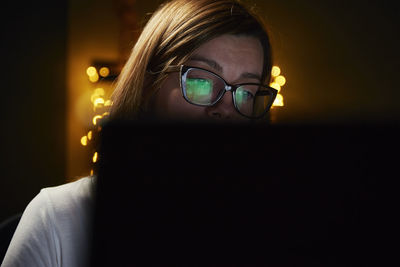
(55, 228)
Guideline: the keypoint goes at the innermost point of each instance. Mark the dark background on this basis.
(33, 87)
(340, 58)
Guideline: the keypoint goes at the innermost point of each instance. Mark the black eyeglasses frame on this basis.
(183, 70)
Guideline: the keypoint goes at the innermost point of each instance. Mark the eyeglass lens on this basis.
(205, 88)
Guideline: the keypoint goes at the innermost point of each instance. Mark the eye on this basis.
(244, 94)
(199, 86)
(243, 97)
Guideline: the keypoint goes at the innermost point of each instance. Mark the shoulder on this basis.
(67, 204)
(78, 194)
(54, 227)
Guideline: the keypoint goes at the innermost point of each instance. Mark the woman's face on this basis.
(237, 59)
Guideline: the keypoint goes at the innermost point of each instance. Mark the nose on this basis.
(224, 109)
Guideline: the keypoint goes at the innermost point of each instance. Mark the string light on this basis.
(91, 71)
(95, 118)
(84, 140)
(275, 71)
(95, 157)
(99, 103)
(278, 100)
(281, 80)
(276, 86)
(104, 72)
(277, 83)
(89, 135)
(94, 78)
(99, 91)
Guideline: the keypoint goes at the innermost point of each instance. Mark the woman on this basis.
(220, 36)
(195, 60)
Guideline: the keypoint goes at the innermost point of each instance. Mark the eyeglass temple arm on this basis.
(262, 93)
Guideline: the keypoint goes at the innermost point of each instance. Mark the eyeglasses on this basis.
(201, 87)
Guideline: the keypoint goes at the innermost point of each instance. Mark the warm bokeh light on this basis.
(84, 140)
(94, 157)
(93, 97)
(99, 101)
(99, 91)
(91, 71)
(100, 104)
(89, 135)
(104, 72)
(281, 80)
(277, 83)
(275, 86)
(275, 71)
(278, 101)
(94, 78)
(95, 118)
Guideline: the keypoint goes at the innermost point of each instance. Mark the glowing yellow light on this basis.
(91, 71)
(104, 71)
(95, 118)
(99, 91)
(275, 71)
(108, 103)
(98, 101)
(94, 157)
(275, 86)
(84, 140)
(89, 135)
(278, 101)
(106, 114)
(91, 172)
(94, 78)
(281, 80)
(93, 97)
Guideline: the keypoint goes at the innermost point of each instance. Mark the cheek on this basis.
(178, 108)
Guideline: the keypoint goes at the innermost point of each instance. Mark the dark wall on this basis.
(341, 59)
(33, 89)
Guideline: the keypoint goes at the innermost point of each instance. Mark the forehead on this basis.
(234, 51)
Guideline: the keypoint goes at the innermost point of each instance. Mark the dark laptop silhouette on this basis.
(175, 194)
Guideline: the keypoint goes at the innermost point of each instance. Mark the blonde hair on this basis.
(171, 35)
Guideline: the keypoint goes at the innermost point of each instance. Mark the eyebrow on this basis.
(213, 64)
